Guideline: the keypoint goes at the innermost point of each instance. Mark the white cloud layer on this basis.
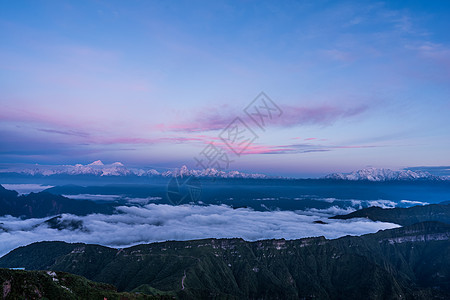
(94, 197)
(26, 188)
(152, 223)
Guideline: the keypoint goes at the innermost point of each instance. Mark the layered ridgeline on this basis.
(375, 174)
(403, 216)
(18, 284)
(43, 204)
(401, 263)
(117, 169)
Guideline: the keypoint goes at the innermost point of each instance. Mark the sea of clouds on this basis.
(132, 225)
(26, 188)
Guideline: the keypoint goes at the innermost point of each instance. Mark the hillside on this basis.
(17, 284)
(403, 216)
(390, 264)
(43, 204)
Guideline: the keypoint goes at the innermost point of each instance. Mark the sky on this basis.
(351, 84)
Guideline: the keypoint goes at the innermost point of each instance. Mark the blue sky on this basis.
(151, 83)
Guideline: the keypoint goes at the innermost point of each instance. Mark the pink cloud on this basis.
(260, 149)
(73, 132)
(299, 148)
(205, 119)
(57, 128)
(321, 115)
(101, 140)
(209, 120)
(31, 116)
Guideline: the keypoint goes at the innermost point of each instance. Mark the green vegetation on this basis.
(148, 290)
(58, 285)
(411, 262)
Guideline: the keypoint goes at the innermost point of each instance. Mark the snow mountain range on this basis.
(98, 168)
(374, 174)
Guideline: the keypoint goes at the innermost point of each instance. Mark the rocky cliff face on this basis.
(403, 216)
(412, 261)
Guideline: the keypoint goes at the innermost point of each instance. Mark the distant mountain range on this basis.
(97, 168)
(410, 262)
(374, 174)
(43, 204)
(403, 216)
(117, 169)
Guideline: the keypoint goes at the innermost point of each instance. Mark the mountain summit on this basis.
(374, 174)
(98, 168)
(96, 163)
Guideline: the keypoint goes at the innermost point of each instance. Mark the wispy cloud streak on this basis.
(209, 120)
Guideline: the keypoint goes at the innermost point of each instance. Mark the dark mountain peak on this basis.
(402, 216)
(45, 204)
(4, 193)
(61, 223)
(384, 263)
(424, 227)
(416, 233)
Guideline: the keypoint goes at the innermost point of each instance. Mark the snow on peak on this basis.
(97, 168)
(96, 163)
(374, 174)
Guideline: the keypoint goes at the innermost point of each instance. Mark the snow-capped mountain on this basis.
(98, 168)
(374, 174)
(211, 172)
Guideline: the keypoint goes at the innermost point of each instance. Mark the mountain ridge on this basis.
(349, 267)
(375, 174)
(98, 168)
(21, 284)
(117, 169)
(402, 216)
(44, 204)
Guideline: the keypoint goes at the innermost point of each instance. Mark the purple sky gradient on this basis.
(152, 83)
